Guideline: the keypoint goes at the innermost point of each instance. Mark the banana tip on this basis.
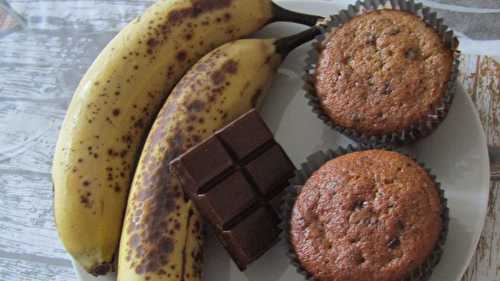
(101, 269)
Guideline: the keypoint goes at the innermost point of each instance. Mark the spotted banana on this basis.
(161, 238)
(117, 100)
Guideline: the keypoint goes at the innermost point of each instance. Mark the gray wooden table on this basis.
(45, 46)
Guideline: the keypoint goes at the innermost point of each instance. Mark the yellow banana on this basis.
(161, 237)
(115, 103)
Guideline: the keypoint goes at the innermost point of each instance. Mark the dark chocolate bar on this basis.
(236, 179)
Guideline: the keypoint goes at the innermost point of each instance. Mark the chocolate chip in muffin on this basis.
(394, 243)
(371, 39)
(386, 88)
(412, 53)
(358, 205)
(358, 257)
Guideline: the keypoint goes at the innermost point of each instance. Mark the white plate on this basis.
(456, 153)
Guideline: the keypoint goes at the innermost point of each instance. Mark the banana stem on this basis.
(282, 14)
(286, 44)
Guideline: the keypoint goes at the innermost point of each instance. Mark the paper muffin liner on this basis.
(415, 131)
(313, 163)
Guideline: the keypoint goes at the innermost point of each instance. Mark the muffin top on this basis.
(381, 72)
(370, 215)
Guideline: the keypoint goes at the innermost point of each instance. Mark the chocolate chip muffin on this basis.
(382, 72)
(369, 215)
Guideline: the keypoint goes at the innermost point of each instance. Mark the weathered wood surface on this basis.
(39, 69)
(481, 79)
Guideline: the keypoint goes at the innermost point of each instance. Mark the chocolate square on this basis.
(270, 170)
(251, 237)
(246, 135)
(192, 167)
(227, 199)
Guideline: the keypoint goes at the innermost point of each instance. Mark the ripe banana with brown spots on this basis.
(161, 237)
(117, 100)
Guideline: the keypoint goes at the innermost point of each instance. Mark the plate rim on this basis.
(486, 174)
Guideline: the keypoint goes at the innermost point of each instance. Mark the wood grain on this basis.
(480, 76)
(39, 68)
